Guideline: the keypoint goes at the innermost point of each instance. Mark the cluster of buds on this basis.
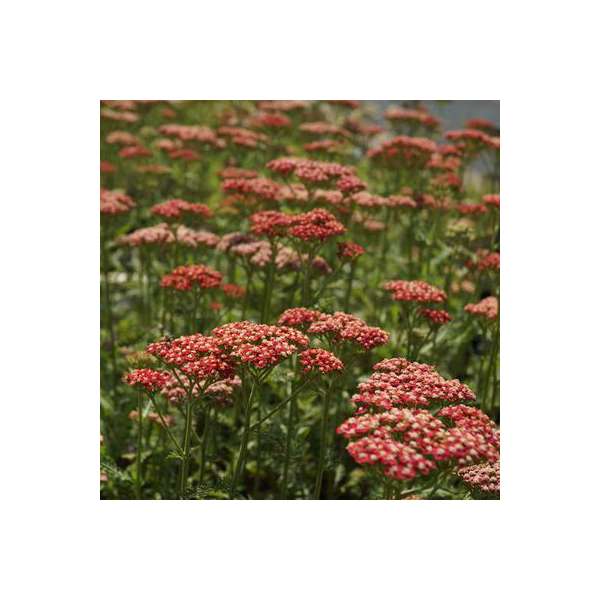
(487, 308)
(414, 291)
(399, 382)
(258, 345)
(196, 133)
(472, 141)
(176, 209)
(310, 171)
(186, 277)
(149, 379)
(483, 477)
(412, 116)
(113, 202)
(349, 251)
(414, 152)
(316, 359)
(337, 328)
(435, 317)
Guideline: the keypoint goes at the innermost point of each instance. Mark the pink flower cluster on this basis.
(484, 477)
(320, 360)
(254, 188)
(176, 208)
(258, 345)
(415, 152)
(492, 200)
(196, 133)
(187, 276)
(349, 251)
(113, 202)
(421, 117)
(198, 356)
(437, 317)
(337, 328)
(399, 382)
(487, 308)
(407, 443)
(311, 171)
(414, 291)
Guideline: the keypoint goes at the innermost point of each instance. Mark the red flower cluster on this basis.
(339, 328)
(349, 251)
(258, 345)
(437, 317)
(484, 477)
(233, 291)
(492, 200)
(122, 138)
(488, 261)
(270, 120)
(258, 188)
(316, 225)
(465, 208)
(150, 379)
(197, 356)
(349, 184)
(414, 291)
(320, 360)
(185, 277)
(270, 223)
(472, 140)
(408, 443)
(488, 308)
(421, 117)
(295, 317)
(114, 202)
(176, 208)
(134, 152)
(309, 170)
(473, 420)
(399, 382)
(413, 151)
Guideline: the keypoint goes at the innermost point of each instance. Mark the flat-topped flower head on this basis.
(406, 443)
(316, 225)
(298, 317)
(487, 308)
(157, 235)
(414, 291)
(412, 116)
(271, 223)
(176, 209)
(149, 379)
(484, 477)
(492, 200)
(349, 251)
(400, 382)
(113, 202)
(341, 327)
(259, 345)
(412, 152)
(187, 277)
(435, 317)
(258, 188)
(323, 361)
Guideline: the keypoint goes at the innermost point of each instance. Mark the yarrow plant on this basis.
(299, 299)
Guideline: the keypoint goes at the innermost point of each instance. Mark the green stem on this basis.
(109, 314)
(244, 443)
(138, 472)
(165, 426)
(187, 439)
(322, 447)
(205, 435)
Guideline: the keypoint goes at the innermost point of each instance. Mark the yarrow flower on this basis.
(487, 308)
(270, 223)
(492, 200)
(176, 208)
(419, 116)
(320, 360)
(414, 291)
(414, 152)
(149, 379)
(484, 477)
(337, 328)
(349, 251)
(258, 345)
(113, 202)
(436, 317)
(187, 276)
(399, 382)
(316, 225)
